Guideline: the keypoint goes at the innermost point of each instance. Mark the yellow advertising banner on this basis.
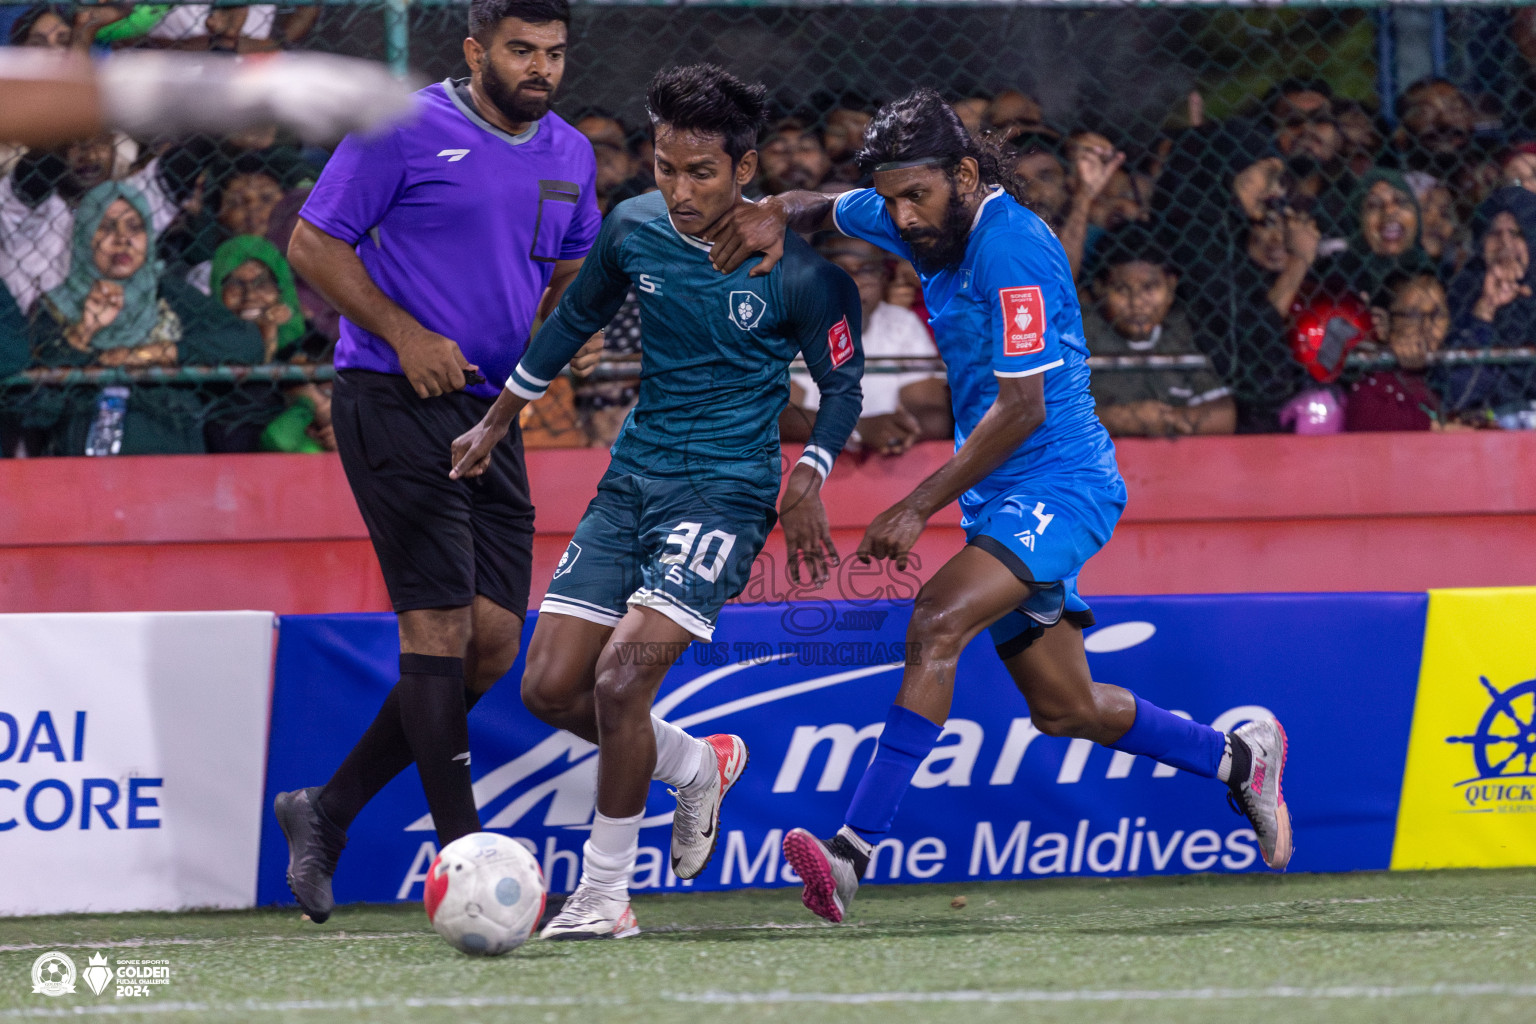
(1469, 791)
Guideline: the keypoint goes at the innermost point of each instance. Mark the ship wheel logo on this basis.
(1504, 746)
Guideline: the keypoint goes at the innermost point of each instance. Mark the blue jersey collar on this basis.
(993, 192)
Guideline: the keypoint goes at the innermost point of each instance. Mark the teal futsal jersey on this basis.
(689, 497)
(715, 350)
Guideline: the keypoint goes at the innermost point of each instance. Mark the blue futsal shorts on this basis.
(1044, 534)
(683, 547)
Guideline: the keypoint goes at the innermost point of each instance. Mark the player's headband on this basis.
(901, 165)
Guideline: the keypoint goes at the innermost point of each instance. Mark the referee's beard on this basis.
(519, 105)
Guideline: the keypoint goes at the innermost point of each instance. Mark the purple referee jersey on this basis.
(460, 223)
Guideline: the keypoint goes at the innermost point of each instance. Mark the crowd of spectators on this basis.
(1307, 231)
(153, 253)
(1227, 269)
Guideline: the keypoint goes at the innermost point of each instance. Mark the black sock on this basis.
(433, 717)
(377, 757)
(380, 755)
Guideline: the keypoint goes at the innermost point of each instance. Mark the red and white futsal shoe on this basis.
(696, 823)
(590, 914)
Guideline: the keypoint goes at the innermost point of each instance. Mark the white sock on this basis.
(1224, 770)
(608, 858)
(678, 755)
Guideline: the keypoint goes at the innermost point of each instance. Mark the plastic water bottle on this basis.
(1521, 416)
(106, 433)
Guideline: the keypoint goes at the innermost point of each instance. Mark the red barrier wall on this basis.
(280, 532)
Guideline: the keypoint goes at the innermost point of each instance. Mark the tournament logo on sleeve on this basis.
(1023, 321)
(840, 342)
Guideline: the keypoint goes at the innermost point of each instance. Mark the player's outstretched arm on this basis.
(471, 451)
(586, 300)
(1018, 411)
(824, 303)
(807, 534)
(759, 228)
(46, 100)
(588, 303)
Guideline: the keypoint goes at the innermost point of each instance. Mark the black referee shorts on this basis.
(439, 541)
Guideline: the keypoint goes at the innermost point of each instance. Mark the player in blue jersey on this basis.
(689, 497)
(1033, 469)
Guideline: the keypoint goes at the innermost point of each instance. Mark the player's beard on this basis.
(933, 249)
(518, 107)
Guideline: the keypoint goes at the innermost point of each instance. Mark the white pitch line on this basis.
(1460, 991)
(1107, 995)
(139, 943)
(665, 929)
(1176, 916)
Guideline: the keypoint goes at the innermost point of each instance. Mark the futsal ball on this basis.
(484, 894)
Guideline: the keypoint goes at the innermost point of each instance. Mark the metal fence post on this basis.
(397, 36)
(1437, 45)
(1386, 65)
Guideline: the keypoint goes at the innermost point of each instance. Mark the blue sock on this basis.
(1164, 736)
(907, 739)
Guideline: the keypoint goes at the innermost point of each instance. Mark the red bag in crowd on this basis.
(1327, 328)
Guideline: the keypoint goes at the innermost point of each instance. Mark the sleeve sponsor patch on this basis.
(840, 343)
(1023, 321)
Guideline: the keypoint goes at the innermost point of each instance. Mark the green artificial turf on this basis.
(1432, 946)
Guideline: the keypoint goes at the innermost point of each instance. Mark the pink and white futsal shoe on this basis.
(830, 870)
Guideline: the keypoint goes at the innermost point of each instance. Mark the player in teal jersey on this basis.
(1034, 472)
(689, 497)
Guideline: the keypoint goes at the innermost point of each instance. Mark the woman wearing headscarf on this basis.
(108, 301)
(253, 281)
(1493, 304)
(1249, 253)
(115, 309)
(256, 284)
(1384, 234)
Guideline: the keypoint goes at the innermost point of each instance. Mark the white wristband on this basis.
(818, 458)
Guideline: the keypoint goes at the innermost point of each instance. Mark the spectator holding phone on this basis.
(1493, 304)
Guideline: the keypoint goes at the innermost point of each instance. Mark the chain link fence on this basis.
(1282, 217)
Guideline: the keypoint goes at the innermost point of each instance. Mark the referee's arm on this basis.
(432, 363)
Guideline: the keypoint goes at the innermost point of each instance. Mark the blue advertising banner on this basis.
(808, 685)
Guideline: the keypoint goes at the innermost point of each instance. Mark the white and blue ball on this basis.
(484, 894)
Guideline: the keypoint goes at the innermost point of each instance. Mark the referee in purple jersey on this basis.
(440, 242)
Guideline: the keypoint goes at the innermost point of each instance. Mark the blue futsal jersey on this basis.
(1009, 309)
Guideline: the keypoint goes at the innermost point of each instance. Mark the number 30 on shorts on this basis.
(709, 551)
